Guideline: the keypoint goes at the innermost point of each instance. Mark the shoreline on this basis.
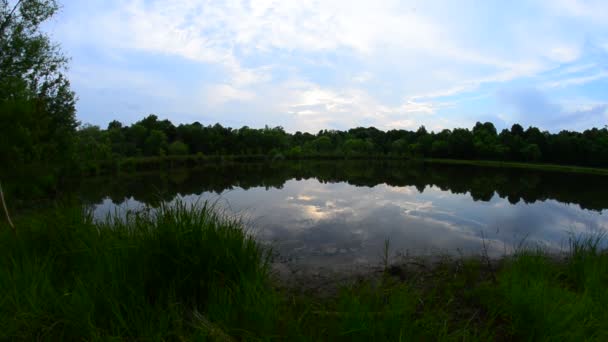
(324, 280)
(138, 164)
(191, 272)
(517, 165)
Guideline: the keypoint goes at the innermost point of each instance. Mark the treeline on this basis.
(42, 143)
(153, 137)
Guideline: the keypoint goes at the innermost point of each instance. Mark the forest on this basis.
(182, 271)
(153, 137)
(42, 143)
(40, 136)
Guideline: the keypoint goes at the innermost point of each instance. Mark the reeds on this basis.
(188, 272)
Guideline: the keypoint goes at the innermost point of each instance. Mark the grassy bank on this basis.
(529, 166)
(189, 273)
(169, 162)
(134, 164)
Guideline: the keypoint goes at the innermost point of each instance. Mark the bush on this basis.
(178, 148)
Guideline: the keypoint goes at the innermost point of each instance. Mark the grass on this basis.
(132, 164)
(189, 273)
(160, 275)
(519, 165)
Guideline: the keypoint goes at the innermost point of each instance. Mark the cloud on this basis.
(573, 69)
(335, 63)
(533, 107)
(595, 11)
(222, 93)
(579, 80)
(313, 108)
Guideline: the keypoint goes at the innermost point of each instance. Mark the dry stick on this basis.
(8, 217)
(487, 258)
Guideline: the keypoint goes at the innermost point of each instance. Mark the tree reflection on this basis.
(481, 184)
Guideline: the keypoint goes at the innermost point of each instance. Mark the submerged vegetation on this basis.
(185, 272)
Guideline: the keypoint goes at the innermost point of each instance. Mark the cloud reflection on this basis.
(313, 222)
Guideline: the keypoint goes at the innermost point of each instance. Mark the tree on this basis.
(93, 144)
(485, 141)
(461, 143)
(517, 130)
(156, 143)
(399, 146)
(322, 144)
(114, 125)
(531, 153)
(178, 148)
(357, 146)
(37, 106)
(439, 149)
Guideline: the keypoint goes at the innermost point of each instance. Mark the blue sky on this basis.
(337, 64)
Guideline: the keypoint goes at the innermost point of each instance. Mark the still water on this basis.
(321, 213)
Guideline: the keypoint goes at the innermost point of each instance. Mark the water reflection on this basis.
(341, 213)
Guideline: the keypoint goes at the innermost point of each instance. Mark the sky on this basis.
(337, 64)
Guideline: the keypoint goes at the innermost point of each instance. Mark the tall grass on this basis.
(142, 276)
(186, 272)
(543, 298)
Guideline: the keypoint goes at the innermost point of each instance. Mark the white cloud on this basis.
(341, 63)
(564, 54)
(313, 108)
(577, 80)
(418, 107)
(363, 77)
(577, 68)
(595, 11)
(219, 94)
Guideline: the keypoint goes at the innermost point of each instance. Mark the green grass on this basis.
(145, 276)
(133, 164)
(519, 165)
(189, 273)
(544, 299)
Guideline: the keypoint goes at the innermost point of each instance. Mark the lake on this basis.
(343, 212)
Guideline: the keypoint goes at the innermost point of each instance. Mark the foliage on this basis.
(178, 148)
(153, 137)
(37, 120)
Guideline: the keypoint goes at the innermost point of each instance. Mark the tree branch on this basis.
(8, 217)
(8, 18)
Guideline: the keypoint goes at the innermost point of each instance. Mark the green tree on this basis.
(323, 144)
(178, 148)
(461, 143)
(399, 146)
(485, 141)
(37, 106)
(155, 144)
(357, 146)
(93, 144)
(439, 149)
(531, 153)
